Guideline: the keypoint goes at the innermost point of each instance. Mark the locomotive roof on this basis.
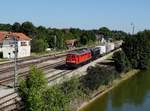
(79, 52)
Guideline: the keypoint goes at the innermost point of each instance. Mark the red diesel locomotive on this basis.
(77, 58)
(82, 56)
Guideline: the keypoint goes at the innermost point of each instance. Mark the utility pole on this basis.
(133, 28)
(55, 41)
(15, 62)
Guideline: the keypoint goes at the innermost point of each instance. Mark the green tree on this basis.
(83, 40)
(28, 28)
(5, 27)
(137, 50)
(121, 61)
(59, 39)
(105, 31)
(38, 45)
(16, 27)
(119, 35)
(32, 89)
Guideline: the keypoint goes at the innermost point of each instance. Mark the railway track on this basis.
(6, 80)
(23, 65)
(11, 102)
(33, 58)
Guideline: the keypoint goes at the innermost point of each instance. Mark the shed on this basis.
(71, 43)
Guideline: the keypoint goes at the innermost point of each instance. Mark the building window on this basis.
(23, 43)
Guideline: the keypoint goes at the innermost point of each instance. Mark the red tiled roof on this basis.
(2, 36)
(19, 36)
(71, 41)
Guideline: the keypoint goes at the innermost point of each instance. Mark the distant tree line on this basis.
(43, 37)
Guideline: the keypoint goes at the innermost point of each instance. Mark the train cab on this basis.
(77, 58)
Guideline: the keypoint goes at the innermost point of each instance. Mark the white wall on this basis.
(24, 51)
(8, 50)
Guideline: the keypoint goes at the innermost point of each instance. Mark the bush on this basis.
(121, 61)
(59, 97)
(72, 88)
(97, 76)
(32, 90)
(55, 100)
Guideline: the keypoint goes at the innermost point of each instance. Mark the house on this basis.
(103, 39)
(100, 38)
(71, 43)
(7, 41)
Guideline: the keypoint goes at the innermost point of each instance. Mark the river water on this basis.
(131, 95)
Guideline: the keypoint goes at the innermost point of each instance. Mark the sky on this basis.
(84, 14)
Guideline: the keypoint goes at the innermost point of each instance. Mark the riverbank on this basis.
(105, 89)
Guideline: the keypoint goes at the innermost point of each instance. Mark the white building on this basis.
(8, 44)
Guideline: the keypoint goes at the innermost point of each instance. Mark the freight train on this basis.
(80, 57)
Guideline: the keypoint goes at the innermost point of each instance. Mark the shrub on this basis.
(32, 89)
(97, 76)
(55, 100)
(59, 97)
(72, 88)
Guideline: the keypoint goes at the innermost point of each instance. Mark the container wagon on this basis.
(110, 47)
(102, 49)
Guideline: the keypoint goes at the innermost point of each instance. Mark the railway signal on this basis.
(55, 42)
(15, 62)
(15, 44)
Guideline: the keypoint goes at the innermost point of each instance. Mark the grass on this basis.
(40, 53)
(47, 53)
